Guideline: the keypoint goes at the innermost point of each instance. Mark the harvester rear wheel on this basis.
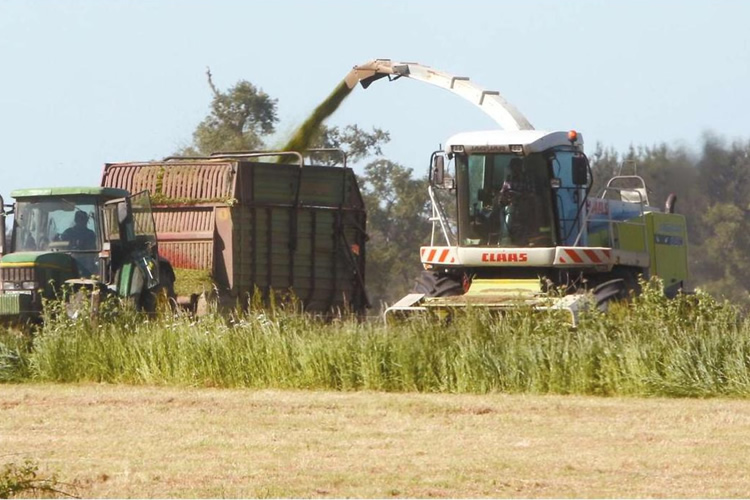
(434, 284)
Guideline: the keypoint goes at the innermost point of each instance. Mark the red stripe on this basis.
(574, 255)
(432, 254)
(444, 255)
(607, 254)
(593, 256)
(423, 251)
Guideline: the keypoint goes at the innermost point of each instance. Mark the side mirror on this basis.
(123, 213)
(580, 171)
(438, 170)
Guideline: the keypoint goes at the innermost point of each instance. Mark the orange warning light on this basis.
(572, 136)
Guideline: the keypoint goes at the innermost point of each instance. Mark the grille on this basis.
(17, 274)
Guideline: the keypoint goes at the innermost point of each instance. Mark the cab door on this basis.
(131, 234)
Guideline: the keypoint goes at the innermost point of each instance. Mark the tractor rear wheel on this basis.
(163, 294)
(434, 284)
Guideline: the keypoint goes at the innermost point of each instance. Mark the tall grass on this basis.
(690, 346)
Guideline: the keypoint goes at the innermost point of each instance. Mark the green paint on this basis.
(307, 132)
(126, 276)
(70, 191)
(50, 260)
(14, 304)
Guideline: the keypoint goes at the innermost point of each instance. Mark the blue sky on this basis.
(89, 82)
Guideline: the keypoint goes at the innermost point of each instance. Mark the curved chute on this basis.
(489, 101)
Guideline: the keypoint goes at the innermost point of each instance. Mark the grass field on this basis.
(692, 346)
(124, 441)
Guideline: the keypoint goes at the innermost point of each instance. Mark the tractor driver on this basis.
(79, 236)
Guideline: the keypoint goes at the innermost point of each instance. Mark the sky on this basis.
(84, 83)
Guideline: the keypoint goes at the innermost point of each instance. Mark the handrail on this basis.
(260, 155)
(438, 215)
(611, 222)
(634, 177)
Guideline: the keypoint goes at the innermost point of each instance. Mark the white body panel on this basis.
(532, 141)
(506, 257)
(489, 101)
(568, 257)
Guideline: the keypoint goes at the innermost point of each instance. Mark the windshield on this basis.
(505, 201)
(66, 224)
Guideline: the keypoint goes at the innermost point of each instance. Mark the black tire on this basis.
(434, 284)
(150, 298)
(610, 291)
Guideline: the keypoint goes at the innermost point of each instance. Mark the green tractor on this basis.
(84, 238)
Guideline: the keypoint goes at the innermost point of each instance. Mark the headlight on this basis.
(9, 285)
(29, 285)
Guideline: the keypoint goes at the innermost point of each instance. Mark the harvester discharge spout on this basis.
(489, 101)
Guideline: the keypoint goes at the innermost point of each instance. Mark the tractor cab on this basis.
(67, 221)
(100, 238)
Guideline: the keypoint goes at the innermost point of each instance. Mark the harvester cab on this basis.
(516, 223)
(101, 239)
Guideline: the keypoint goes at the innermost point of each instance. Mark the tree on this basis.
(723, 267)
(398, 224)
(355, 142)
(239, 120)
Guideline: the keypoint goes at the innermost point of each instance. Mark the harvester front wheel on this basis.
(435, 284)
(615, 290)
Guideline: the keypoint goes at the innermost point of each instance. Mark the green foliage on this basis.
(238, 120)
(398, 224)
(355, 142)
(24, 479)
(15, 346)
(689, 346)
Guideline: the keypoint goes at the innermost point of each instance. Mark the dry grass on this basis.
(121, 441)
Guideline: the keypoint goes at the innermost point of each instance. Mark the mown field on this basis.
(105, 440)
(647, 400)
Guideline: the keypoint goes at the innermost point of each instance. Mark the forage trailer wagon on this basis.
(236, 224)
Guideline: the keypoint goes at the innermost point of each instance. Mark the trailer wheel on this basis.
(610, 291)
(434, 284)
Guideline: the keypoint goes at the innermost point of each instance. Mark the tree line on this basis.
(711, 182)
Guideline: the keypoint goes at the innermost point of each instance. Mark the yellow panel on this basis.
(503, 286)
